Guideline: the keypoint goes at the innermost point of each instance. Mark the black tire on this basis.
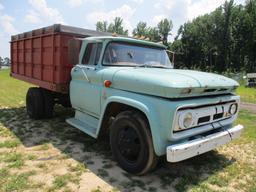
(65, 101)
(131, 143)
(48, 103)
(35, 103)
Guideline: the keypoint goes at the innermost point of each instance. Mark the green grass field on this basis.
(247, 94)
(12, 91)
(49, 155)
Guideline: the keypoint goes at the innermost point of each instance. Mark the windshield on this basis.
(122, 54)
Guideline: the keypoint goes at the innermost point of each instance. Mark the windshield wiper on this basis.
(153, 66)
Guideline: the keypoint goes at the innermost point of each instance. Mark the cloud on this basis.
(40, 12)
(77, 3)
(180, 11)
(156, 19)
(7, 29)
(32, 17)
(201, 7)
(6, 23)
(137, 1)
(125, 12)
(1, 7)
(188, 8)
(164, 4)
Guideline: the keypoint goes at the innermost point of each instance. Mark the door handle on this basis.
(84, 73)
(90, 67)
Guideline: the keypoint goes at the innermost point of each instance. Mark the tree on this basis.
(153, 34)
(1, 62)
(117, 27)
(227, 8)
(102, 26)
(223, 40)
(165, 26)
(250, 9)
(114, 27)
(141, 29)
(7, 61)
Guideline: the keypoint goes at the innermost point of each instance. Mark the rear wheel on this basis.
(48, 103)
(131, 143)
(35, 103)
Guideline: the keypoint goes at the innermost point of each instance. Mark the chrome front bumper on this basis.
(186, 150)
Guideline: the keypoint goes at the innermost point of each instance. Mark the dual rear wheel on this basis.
(39, 103)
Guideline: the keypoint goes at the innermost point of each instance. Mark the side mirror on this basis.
(74, 46)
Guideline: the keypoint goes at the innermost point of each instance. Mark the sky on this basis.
(17, 16)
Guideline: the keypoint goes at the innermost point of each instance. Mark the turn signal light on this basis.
(107, 83)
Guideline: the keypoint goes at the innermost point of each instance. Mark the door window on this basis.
(92, 54)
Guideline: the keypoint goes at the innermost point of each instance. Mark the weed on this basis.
(102, 173)
(42, 165)
(17, 182)
(15, 160)
(43, 147)
(96, 190)
(10, 144)
(80, 167)
(31, 157)
(62, 180)
(112, 180)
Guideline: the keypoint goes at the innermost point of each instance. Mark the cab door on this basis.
(85, 86)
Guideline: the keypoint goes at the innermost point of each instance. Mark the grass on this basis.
(248, 95)
(44, 147)
(61, 181)
(15, 182)
(29, 148)
(12, 95)
(10, 144)
(249, 120)
(102, 173)
(80, 167)
(14, 160)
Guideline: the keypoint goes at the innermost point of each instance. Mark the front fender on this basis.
(147, 106)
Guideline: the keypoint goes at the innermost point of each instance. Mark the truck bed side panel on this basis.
(40, 56)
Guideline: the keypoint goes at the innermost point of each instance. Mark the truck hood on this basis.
(171, 83)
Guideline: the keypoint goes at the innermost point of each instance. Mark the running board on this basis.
(85, 123)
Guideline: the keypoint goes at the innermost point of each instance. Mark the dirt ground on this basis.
(59, 157)
(248, 106)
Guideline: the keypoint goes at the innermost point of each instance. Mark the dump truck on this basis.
(127, 90)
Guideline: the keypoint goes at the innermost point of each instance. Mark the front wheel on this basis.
(131, 143)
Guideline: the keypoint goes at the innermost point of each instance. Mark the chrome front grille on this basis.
(202, 115)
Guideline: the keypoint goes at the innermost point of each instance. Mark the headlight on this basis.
(233, 109)
(186, 120)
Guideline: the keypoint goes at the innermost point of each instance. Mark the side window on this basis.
(92, 54)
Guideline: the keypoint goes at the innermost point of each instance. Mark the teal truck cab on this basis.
(128, 90)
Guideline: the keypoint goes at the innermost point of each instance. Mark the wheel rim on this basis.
(129, 144)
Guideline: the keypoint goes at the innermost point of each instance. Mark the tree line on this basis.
(155, 34)
(5, 61)
(221, 41)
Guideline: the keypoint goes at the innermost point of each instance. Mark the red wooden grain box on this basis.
(40, 56)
